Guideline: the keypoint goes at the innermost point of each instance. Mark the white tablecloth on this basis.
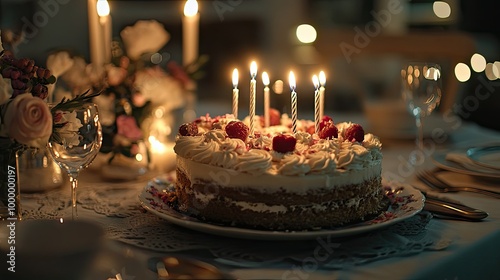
(473, 251)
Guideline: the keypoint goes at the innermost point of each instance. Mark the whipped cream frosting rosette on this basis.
(311, 155)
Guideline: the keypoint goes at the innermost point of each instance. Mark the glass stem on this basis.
(73, 178)
(420, 132)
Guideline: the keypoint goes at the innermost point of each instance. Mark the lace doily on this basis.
(117, 208)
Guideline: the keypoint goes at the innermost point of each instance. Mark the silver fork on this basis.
(431, 180)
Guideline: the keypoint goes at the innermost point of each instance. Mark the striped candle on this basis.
(317, 117)
(291, 79)
(253, 85)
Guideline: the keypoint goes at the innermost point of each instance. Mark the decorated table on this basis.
(419, 246)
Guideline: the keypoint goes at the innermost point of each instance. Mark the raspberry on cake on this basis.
(328, 131)
(237, 129)
(277, 180)
(188, 129)
(284, 143)
(355, 133)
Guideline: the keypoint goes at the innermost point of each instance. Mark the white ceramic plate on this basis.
(406, 202)
(488, 156)
(439, 159)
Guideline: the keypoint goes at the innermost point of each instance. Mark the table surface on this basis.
(473, 254)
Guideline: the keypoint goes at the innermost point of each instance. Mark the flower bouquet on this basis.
(139, 98)
(26, 120)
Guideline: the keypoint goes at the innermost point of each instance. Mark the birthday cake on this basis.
(277, 179)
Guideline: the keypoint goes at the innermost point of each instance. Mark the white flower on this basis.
(159, 88)
(69, 132)
(145, 36)
(81, 76)
(5, 90)
(59, 63)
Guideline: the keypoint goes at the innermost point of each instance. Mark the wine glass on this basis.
(75, 142)
(421, 89)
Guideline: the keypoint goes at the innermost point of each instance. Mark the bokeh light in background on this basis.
(489, 72)
(462, 72)
(278, 87)
(156, 58)
(478, 62)
(441, 9)
(306, 33)
(496, 69)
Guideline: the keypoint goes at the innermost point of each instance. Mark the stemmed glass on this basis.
(75, 143)
(421, 89)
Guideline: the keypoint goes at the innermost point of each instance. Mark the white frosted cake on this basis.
(275, 179)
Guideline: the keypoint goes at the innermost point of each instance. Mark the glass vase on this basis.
(38, 171)
(10, 200)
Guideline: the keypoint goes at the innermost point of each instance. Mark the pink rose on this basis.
(127, 127)
(28, 120)
(116, 75)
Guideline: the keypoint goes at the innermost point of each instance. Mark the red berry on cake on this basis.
(324, 121)
(354, 132)
(188, 129)
(237, 129)
(284, 143)
(329, 131)
(274, 117)
(311, 129)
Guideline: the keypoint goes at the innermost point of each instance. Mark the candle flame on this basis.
(322, 78)
(316, 82)
(265, 79)
(103, 8)
(190, 8)
(253, 69)
(156, 145)
(291, 80)
(235, 78)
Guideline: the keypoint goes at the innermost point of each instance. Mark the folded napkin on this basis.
(462, 159)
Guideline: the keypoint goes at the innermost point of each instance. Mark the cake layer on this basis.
(278, 211)
(273, 183)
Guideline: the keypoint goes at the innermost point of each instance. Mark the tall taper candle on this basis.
(291, 79)
(105, 21)
(317, 117)
(322, 82)
(190, 26)
(253, 88)
(95, 36)
(267, 101)
(236, 93)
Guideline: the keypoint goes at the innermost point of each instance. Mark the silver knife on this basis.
(451, 208)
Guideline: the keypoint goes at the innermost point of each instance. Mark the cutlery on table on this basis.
(181, 267)
(447, 208)
(431, 180)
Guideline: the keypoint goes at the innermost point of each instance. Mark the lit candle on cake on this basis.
(103, 11)
(253, 88)
(190, 26)
(322, 82)
(235, 93)
(317, 117)
(267, 102)
(291, 79)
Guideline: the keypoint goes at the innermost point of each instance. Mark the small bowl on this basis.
(50, 249)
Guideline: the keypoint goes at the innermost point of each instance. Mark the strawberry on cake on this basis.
(275, 179)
